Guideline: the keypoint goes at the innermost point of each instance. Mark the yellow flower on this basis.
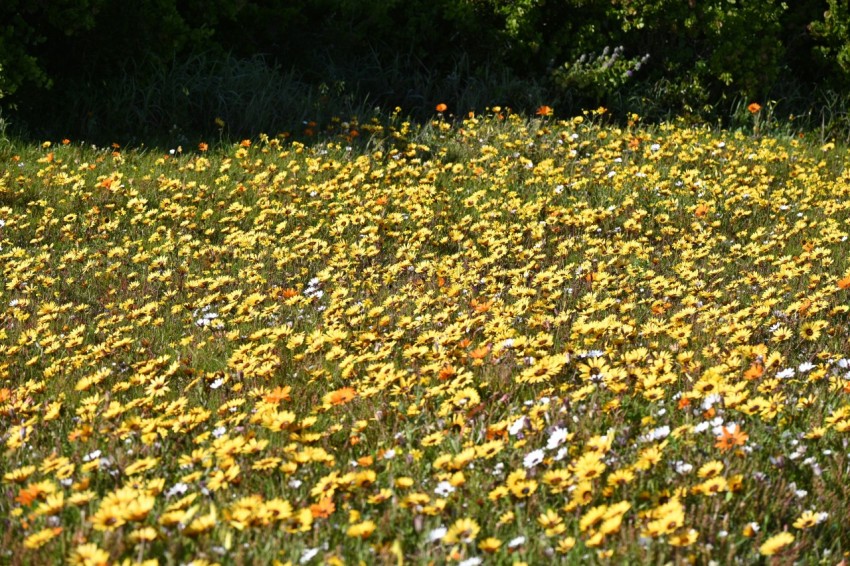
(144, 534)
(88, 555)
(589, 466)
(565, 545)
(506, 518)
(361, 530)
(551, 522)
(776, 543)
(39, 539)
(809, 519)
(463, 531)
(686, 538)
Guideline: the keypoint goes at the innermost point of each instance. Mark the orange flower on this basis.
(442, 107)
(479, 353)
(446, 373)
(278, 395)
(203, 146)
(28, 494)
(727, 440)
(844, 283)
(245, 143)
(755, 371)
(340, 396)
(289, 293)
(701, 210)
(323, 509)
(754, 107)
(66, 141)
(544, 111)
(480, 306)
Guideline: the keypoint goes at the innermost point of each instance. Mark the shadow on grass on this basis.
(221, 99)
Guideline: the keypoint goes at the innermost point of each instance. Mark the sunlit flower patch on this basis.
(493, 339)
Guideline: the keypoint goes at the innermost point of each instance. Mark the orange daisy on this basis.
(728, 439)
(340, 396)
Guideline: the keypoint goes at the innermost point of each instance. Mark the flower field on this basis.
(488, 340)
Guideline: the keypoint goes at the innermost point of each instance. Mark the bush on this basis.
(704, 57)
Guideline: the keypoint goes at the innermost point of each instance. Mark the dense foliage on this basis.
(72, 61)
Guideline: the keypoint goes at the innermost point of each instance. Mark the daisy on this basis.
(516, 426)
(787, 372)
(776, 543)
(558, 437)
(533, 458)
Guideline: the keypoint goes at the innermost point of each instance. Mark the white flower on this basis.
(703, 426)
(518, 541)
(683, 467)
(217, 383)
(717, 430)
(218, 432)
(656, 434)
(389, 454)
(805, 366)
(444, 488)
(533, 458)
(91, 456)
(655, 147)
(558, 437)
(710, 400)
(178, 488)
(516, 426)
(308, 555)
(437, 534)
(474, 561)
(562, 453)
(787, 372)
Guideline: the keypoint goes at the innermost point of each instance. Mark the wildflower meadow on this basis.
(483, 339)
